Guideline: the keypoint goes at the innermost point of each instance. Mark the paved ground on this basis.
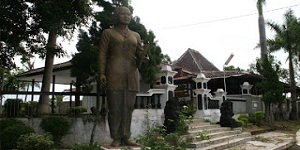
(269, 141)
(297, 145)
(266, 141)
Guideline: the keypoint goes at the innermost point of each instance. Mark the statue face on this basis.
(123, 16)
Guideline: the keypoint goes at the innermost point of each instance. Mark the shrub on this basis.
(29, 108)
(257, 118)
(157, 138)
(12, 107)
(239, 122)
(35, 142)
(244, 118)
(10, 135)
(57, 126)
(78, 110)
(94, 146)
(259, 115)
(8, 123)
(5, 135)
(188, 111)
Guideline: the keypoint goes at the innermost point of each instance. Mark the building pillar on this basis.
(166, 77)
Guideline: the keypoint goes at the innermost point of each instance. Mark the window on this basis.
(163, 80)
(205, 85)
(170, 80)
(200, 102)
(199, 85)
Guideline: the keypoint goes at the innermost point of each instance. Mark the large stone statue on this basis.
(171, 112)
(226, 119)
(120, 55)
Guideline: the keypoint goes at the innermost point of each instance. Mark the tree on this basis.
(28, 65)
(262, 30)
(56, 18)
(150, 68)
(282, 72)
(232, 68)
(166, 59)
(270, 87)
(287, 38)
(13, 30)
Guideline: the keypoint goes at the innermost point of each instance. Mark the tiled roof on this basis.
(192, 61)
(213, 74)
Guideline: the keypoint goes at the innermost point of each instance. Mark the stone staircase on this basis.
(206, 136)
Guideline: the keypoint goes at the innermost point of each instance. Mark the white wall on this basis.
(81, 129)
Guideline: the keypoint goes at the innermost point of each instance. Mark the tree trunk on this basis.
(269, 117)
(262, 37)
(43, 106)
(262, 31)
(294, 112)
(77, 96)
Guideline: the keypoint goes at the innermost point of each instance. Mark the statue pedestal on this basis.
(108, 147)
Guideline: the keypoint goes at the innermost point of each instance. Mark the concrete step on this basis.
(217, 140)
(227, 144)
(207, 131)
(223, 133)
(202, 127)
(195, 122)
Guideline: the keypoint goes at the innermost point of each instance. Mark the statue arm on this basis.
(141, 51)
(103, 48)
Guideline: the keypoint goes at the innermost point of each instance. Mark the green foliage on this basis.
(9, 122)
(29, 108)
(244, 119)
(149, 69)
(182, 127)
(78, 110)
(15, 107)
(60, 15)
(202, 136)
(257, 118)
(10, 133)
(270, 87)
(156, 137)
(94, 146)
(13, 30)
(240, 123)
(287, 38)
(35, 142)
(188, 111)
(9, 80)
(232, 68)
(57, 126)
(86, 49)
(26, 21)
(12, 107)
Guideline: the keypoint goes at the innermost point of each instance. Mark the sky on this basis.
(215, 28)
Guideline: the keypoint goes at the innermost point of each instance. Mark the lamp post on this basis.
(225, 64)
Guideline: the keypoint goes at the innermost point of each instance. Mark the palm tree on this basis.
(287, 38)
(262, 30)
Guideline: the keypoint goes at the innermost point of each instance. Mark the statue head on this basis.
(122, 15)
